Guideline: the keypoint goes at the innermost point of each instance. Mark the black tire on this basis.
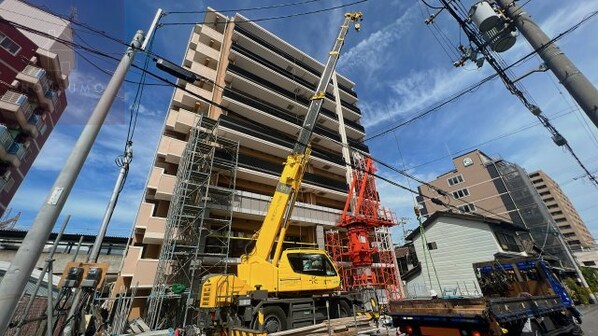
(340, 308)
(274, 319)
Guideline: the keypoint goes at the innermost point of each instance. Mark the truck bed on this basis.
(475, 309)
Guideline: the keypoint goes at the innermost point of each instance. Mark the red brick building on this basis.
(33, 81)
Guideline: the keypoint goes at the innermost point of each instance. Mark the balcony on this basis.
(171, 149)
(180, 120)
(207, 33)
(274, 111)
(268, 141)
(36, 121)
(154, 226)
(131, 259)
(145, 273)
(186, 101)
(289, 57)
(18, 150)
(15, 107)
(37, 80)
(162, 183)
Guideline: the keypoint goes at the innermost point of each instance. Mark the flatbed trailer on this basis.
(548, 311)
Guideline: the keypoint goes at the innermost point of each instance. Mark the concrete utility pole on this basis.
(22, 265)
(578, 85)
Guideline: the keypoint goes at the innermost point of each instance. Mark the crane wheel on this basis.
(274, 319)
(341, 309)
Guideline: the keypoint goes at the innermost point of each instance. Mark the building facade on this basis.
(563, 212)
(495, 188)
(263, 86)
(453, 242)
(34, 77)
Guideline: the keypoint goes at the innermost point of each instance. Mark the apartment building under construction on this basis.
(228, 160)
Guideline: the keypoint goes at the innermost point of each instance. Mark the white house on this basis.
(453, 242)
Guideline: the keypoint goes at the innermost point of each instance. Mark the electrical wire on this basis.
(275, 17)
(435, 200)
(248, 9)
(430, 6)
(516, 89)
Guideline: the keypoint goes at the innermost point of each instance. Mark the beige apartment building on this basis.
(263, 85)
(494, 188)
(563, 212)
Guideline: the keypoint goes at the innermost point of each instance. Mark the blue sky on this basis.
(399, 69)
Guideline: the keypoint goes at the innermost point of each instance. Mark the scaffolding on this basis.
(198, 226)
(361, 244)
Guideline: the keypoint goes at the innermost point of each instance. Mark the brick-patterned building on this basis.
(33, 79)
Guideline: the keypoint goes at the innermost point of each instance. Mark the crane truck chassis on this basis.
(521, 297)
(275, 289)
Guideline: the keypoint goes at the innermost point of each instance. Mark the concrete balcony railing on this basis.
(181, 121)
(188, 101)
(171, 149)
(162, 183)
(204, 71)
(15, 106)
(211, 34)
(154, 226)
(203, 51)
(145, 273)
(6, 142)
(130, 264)
(37, 80)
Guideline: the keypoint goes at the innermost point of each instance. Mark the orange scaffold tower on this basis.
(361, 244)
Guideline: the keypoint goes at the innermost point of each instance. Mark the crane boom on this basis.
(279, 212)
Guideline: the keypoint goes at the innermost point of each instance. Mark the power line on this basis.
(275, 17)
(181, 87)
(248, 9)
(503, 72)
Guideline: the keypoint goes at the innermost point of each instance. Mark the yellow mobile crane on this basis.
(297, 287)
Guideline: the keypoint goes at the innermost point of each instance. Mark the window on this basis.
(432, 246)
(555, 213)
(9, 45)
(589, 263)
(455, 180)
(544, 193)
(564, 227)
(553, 206)
(311, 263)
(560, 220)
(549, 199)
(569, 234)
(460, 193)
(508, 242)
(467, 208)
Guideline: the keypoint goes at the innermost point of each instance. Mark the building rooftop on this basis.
(470, 217)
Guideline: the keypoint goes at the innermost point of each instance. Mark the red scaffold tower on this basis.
(361, 244)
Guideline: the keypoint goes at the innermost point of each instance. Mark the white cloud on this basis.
(370, 53)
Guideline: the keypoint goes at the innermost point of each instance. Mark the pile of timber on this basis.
(346, 326)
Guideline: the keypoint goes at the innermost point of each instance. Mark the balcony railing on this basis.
(275, 111)
(18, 150)
(254, 163)
(288, 94)
(34, 71)
(14, 98)
(288, 56)
(6, 139)
(287, 74)
(236, 47)
(274, 136)
(36, 120)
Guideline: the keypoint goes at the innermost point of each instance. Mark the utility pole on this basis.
(18, 273)
(95, 250)
(576, 83)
